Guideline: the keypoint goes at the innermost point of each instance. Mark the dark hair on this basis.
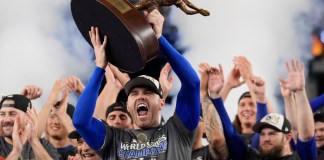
(237, 124)
(246, 94)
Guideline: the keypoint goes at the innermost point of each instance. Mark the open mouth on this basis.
(142, 110)
(54, 128)
(88, 155)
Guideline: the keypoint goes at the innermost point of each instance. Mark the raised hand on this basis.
(156, 19)
(233, 78)
(99, 48)
(296, 77)
(259, 89)
(166, 81)
(58, 87)
(244, 67)
(285, 92)
(32, 123)
(20, 133)
(31, 92)
(61, 110)
(123, 78)
(215, 82)
(75, 84)
(111, 79)
(204, 70)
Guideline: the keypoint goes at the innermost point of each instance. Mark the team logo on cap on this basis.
(154, 81)
(274, 119)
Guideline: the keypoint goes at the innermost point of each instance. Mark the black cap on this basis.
(245, 95)
(20, 102)
(74, 135)
(319, 115)
(144, 81)
(117, 106)
(70, 108)
(275, 121)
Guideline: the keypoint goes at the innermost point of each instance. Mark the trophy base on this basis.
(131, 40)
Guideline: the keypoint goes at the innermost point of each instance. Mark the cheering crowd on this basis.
(100, 127)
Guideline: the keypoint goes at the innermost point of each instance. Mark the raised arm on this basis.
(187, 107)
(60, 112)
(212, 123)
(108, 94)
(245, 68)
(165, 80)
(296, 83)
(258, 89)
(43, 115)
(91, 129)
(290, 110)
(236, 146)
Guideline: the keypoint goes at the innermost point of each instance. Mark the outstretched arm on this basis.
(236, 146)
(53, 97)
(290, 110)
(212, 123)
(91, 129)
(305, 121)
(108, 94)
(258, 89)
(165, 80)
(245, 68)
(187, 107)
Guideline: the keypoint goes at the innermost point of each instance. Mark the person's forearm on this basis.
(305, 116)
(225, 91)
(39, 151)
(236, 146)
(261, 110)
(42, 118)
(291, 114)
(13, 155)
(91, 129)
(107, 97)
(317, 102)
(187, 107)
(213, 129)
(67, 122)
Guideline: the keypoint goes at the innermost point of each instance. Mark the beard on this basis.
(5, 124)
(274, 152)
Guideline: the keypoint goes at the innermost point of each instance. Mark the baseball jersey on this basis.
(27, 152)
(170, 141)
(201, 154)
(66, 152)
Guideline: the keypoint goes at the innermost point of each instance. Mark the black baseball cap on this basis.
(74, 135)
(275, 121)
(144, 81)
(319, 115)
(245, 95)
(70, 108)
(20, 102)
(117, 106)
